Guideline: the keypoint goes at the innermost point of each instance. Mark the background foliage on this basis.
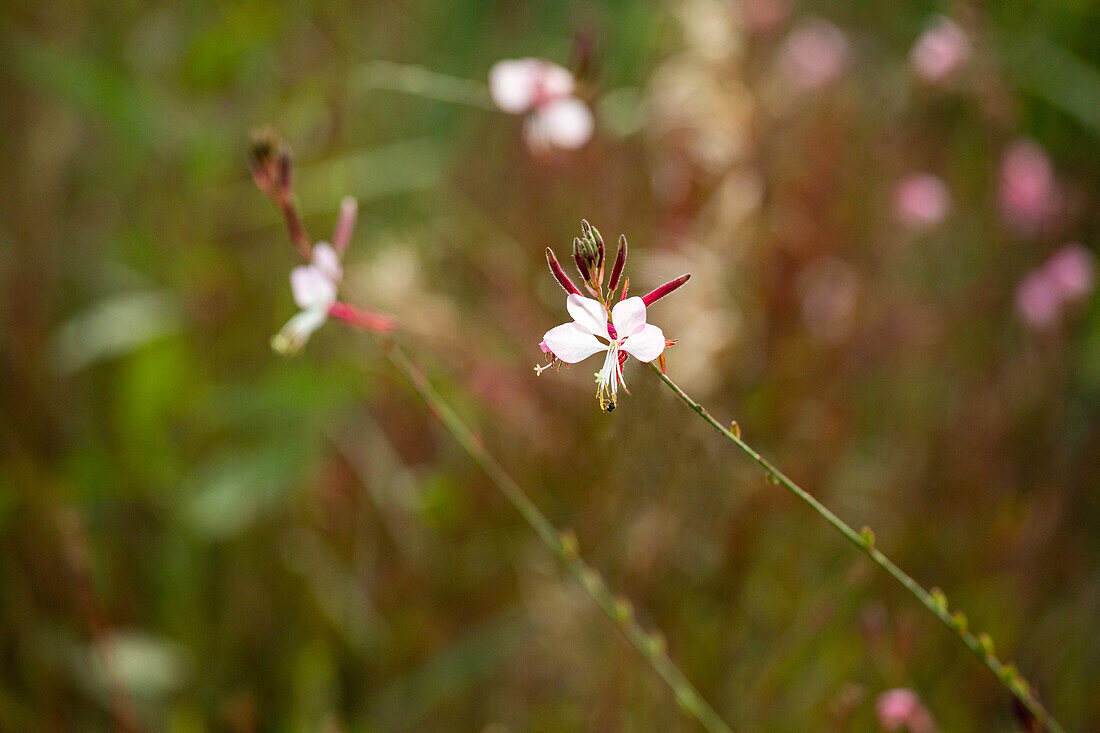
(261, 543)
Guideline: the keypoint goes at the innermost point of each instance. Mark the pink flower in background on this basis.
(1073, 271)
(901, 706)
(1028, 189)
(543, 91)
(921, 200)
(940, 50)
(1037, 301)
(1069, 276)
(814, 55)
(627, 333)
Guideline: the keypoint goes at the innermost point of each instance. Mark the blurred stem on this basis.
(865, 542)
(651, 645)
(422, 82)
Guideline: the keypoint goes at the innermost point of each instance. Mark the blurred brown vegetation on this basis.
(264, 544)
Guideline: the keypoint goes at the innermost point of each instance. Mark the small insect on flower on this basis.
(543, 92)
(619, 329)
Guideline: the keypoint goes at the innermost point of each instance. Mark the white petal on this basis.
(556, 81)
(325, 259)
(571, 343)
(565, 124)
(646, 345)
(297, 331)
(513, 84)
(628, 316)
(311, 287)
(588, 314)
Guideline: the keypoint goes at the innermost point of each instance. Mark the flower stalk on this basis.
(935, 601)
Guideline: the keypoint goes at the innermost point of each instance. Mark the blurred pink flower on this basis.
(1073, 270)
(543, 91)
(1037, 301)
(901, 706)
(1027, 188)
(940, 50)
(627, 333)
(921, 200)
(814, 55)
(1068, 276)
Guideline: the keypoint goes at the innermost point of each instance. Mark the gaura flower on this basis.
(543, 91)
(622, 326)
(627, 333)
(315, 285)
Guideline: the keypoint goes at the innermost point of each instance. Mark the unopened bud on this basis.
(585, 257)
(264, 159)
(620, 262)
(345, 224)
(663, 290)
(559, 274)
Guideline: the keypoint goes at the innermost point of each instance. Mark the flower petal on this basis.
(513, 84)
(312, 288)
(325, 259)
(628, 316)
(588, 314)
(571, 343)
(555, 81)
(298, 329)
(566, 124)
(647, 344)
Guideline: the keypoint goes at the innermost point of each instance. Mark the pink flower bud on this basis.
(559, 274)
(663, 290)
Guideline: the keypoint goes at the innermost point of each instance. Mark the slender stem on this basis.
(651, 645)
(423, 82)
(982, 647)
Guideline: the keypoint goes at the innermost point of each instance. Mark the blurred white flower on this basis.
(940, 50)
(543, 91)
(921, 200)
(814, 56)
(314, 288)
(627, 333)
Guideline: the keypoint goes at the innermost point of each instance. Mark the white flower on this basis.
(629, 334)
(543, 91)
(314, 287)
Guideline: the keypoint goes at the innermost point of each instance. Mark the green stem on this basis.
(865, 542)
(651, 645)
(422, 82)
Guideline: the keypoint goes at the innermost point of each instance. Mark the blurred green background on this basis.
(258, 543)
